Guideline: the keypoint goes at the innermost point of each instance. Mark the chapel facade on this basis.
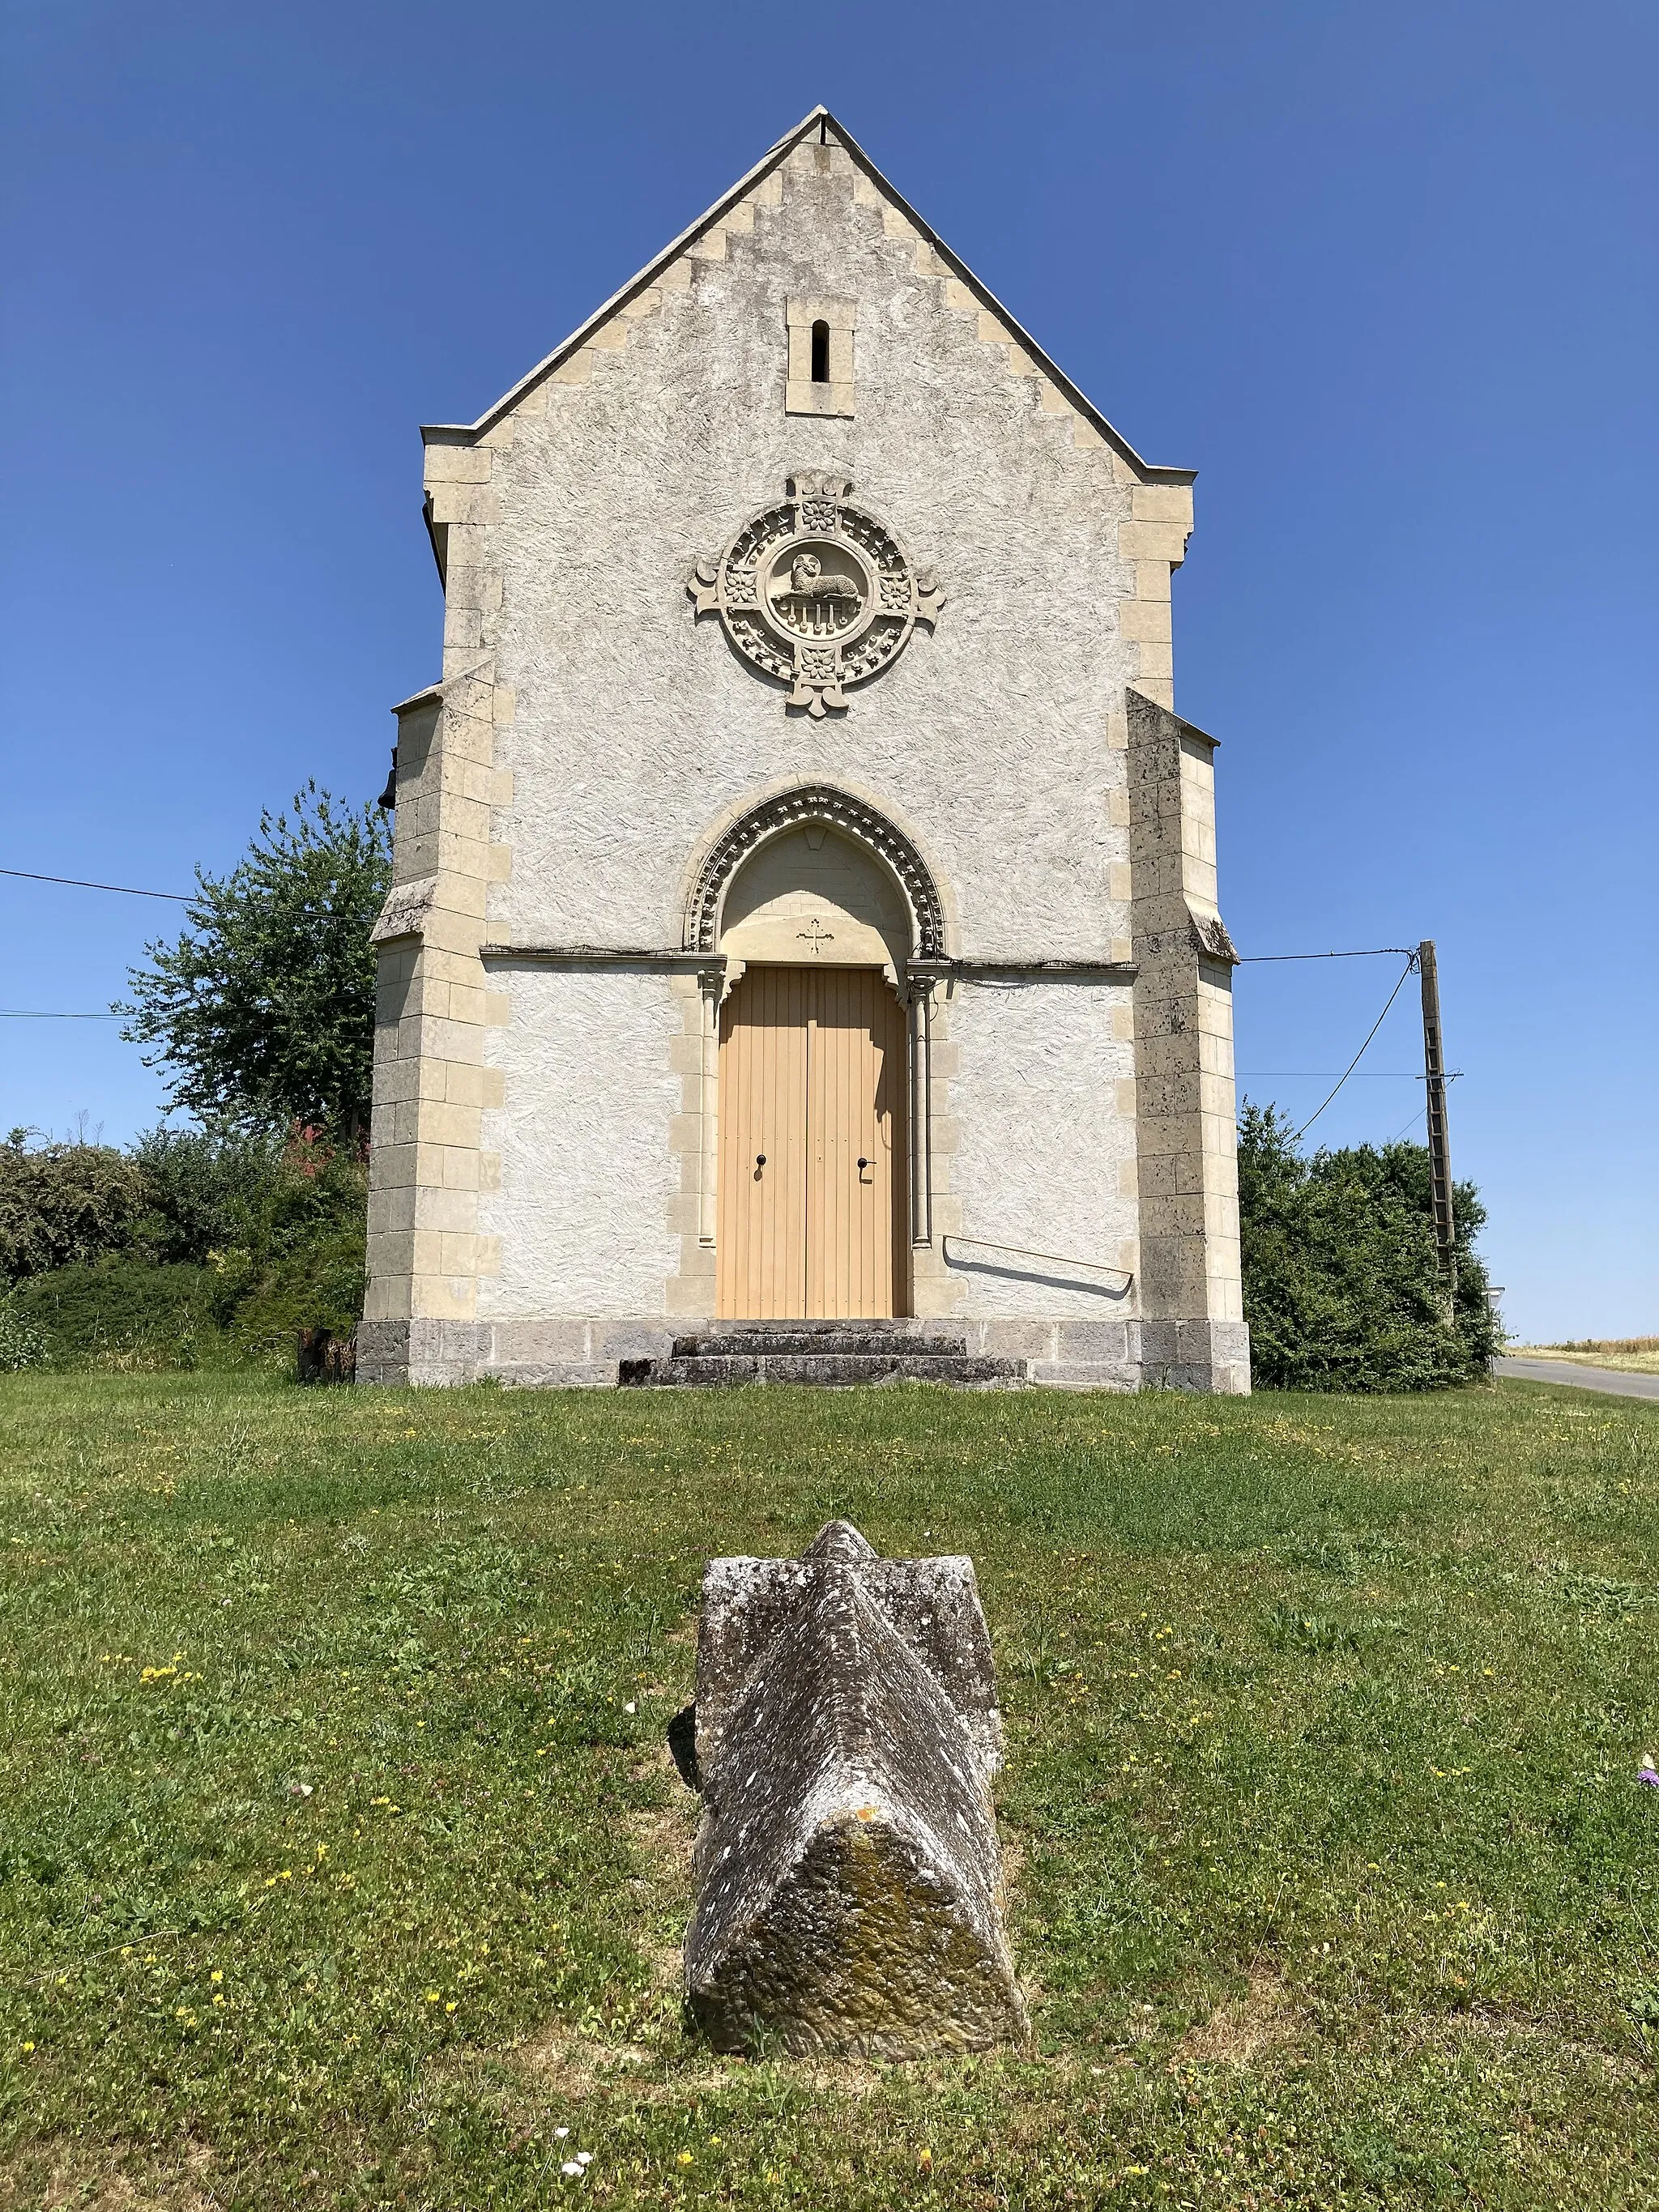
(804, 893)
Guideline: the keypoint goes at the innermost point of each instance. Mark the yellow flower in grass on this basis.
(684, 2158)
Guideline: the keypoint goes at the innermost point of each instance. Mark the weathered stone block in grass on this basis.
(849, 1890)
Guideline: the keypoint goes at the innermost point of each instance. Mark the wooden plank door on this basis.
(812, 1147)
(761, 1241)
(855, 1087)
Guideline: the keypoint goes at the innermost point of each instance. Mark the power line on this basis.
(1405, 972)
(1319, 1074)
(35, 1014)
(80, 883)
(1369, 952)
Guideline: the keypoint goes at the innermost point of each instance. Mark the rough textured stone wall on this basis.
(587, 1175)
(634, 727)
(1040, 1144)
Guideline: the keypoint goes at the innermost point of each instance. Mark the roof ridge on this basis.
(821, 117)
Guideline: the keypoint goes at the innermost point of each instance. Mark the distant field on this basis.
(1636, 1355)
(341, 1863)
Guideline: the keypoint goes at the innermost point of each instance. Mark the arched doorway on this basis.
(813, 1083)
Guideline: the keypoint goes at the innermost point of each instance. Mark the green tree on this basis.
(63, 1202)
(206, 1189)
(1342, 1283)
(263, 1014)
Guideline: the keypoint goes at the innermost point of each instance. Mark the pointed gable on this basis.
(734, 212)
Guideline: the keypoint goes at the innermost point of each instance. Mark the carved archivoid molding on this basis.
(840, 810)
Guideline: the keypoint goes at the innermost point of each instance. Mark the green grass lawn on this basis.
(341, 1862)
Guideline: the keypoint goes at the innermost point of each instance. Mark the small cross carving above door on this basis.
(817, 936)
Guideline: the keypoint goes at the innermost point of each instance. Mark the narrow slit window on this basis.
(818, 380)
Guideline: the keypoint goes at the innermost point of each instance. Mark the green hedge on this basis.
(60, 1203)
(194, 1248)
(1342, 1285)
(120, 1312)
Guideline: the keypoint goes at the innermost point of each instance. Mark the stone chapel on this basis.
(805, 892)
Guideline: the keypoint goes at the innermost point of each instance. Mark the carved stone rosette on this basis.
(817, 593)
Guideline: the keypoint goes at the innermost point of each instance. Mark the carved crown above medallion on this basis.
(817, 593)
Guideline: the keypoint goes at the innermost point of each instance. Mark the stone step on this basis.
(823, 1369)
(809, 1343)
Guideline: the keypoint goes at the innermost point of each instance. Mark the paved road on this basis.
(1584, 1378)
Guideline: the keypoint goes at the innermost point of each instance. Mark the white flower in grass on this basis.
(572, 2170)
(584, 2158)
(561, 2133)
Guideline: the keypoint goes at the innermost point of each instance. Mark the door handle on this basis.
(760, 1159)
(863, 1165)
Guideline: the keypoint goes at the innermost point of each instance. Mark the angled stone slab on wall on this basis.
(849, 1890)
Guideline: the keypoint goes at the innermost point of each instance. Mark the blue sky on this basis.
(1385, 277)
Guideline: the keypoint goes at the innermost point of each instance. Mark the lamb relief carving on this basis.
(817, 593)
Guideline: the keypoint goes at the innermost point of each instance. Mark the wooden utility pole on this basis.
(1434, 1073)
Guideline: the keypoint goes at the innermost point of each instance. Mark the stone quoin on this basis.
(804, 893)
